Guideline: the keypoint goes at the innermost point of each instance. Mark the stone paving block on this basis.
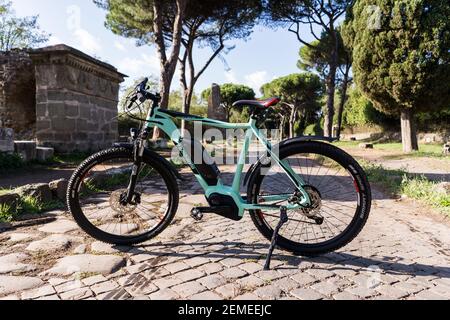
(188, 289)
(213, 281)
(59, 226)
(47, 290)
(325, 287)
(167, 282)
(251, 267)
(303, 279)
(429, 295)
(211, 268)
(362, 291)
(270, 292)
(285, 284)
(189, 275)
(14, 263)
(229, 291)
(104, 287)
(207, 295)
(77, 294)
(233, 273)
(13, 284)
(306, 294)
(251, 282)
(408, 287)
(164, 294)
(50, 298)
(177, 267)
(248, 297)
(196, 261)
(231, 262)
(345, 296)
(94, 280)
(87, 263)
(391, 291)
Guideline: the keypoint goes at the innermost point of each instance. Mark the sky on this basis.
(265, 55)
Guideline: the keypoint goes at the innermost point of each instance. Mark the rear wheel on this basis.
(337, 186)
(97, 189)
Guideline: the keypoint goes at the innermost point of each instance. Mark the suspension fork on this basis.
(138, 156)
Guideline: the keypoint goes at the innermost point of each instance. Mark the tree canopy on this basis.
(230, 93)
(322, 17)
(301, 93)
(401, 57)
(19, 33)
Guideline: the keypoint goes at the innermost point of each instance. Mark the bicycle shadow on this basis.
(336, 261)
(190, 186)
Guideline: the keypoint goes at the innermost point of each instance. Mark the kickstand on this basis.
(283, 219)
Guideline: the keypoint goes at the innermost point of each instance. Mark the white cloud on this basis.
(54, 40)
(256, 80)
(119, 46)
(231, 77)
(87, 42)
(138, 67)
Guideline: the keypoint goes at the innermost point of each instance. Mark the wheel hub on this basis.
(116, 202)
(316, 202)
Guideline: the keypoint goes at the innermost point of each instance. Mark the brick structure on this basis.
(76, 98)
(17, 92)
(60, 97)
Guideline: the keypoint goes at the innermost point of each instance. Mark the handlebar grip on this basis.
(143, 85)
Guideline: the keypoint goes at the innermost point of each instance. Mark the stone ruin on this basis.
(59, 97)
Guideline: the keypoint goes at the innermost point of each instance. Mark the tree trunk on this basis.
(331, 85)
(292, 121)
(168, 64)
(409, 134)
(186, 108)
(342, 104)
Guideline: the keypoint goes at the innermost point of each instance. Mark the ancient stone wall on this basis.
(17, 92)
(77, 99)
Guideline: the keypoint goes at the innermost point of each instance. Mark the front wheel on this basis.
(97, 188)
(339, 191)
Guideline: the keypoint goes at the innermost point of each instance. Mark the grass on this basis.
(27, 205)
(400, 182)
(425, 150)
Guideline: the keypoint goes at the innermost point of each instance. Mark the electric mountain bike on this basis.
(304, 195)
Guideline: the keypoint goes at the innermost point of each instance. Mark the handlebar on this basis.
(142, 94)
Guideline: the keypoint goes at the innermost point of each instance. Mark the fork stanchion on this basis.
(283, 219)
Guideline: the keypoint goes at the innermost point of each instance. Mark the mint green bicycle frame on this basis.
(163, 120)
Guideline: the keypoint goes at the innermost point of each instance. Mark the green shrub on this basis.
(400, 182)
(314, 130)
(10, 161)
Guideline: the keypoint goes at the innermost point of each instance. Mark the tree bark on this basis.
(409, 134)
(331, 83)
(292, 121)
(343, 101)
(168, 64)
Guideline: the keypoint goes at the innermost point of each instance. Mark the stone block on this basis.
(26, 149)
(6, 140)
(43, 125)
(59, 188)
(44, 154)
(39, 191)
(11, 200)
(63, 124)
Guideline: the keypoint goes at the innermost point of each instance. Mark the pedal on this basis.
(283, 219)
(196, 214)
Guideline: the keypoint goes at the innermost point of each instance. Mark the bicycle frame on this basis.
(162, 119)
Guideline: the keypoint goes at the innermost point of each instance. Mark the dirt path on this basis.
(35, 175)
(433, 168)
